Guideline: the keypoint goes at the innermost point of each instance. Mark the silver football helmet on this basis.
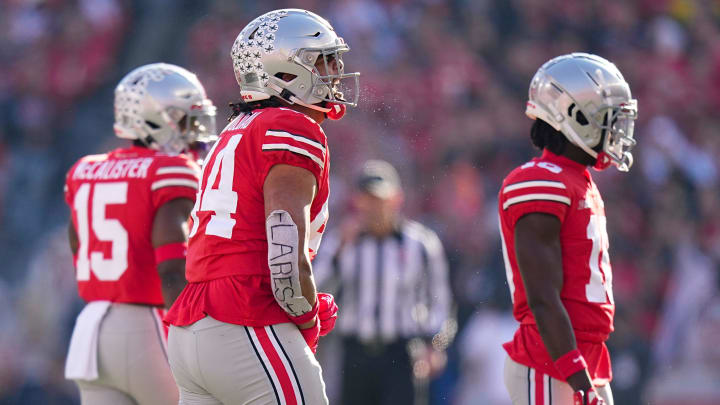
(165, 107)
(291, 41)
(587, 99)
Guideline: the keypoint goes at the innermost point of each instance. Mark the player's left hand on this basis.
(327, 312)
(588, 398)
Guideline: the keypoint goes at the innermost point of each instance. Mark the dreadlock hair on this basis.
(546, 137)
(241, 107)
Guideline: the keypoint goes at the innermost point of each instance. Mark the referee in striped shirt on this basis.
(390, 278)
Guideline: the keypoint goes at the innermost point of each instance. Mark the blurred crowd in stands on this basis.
(443, 90)
(54, 55)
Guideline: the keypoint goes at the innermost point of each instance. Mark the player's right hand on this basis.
(327, 312)
(590, 397)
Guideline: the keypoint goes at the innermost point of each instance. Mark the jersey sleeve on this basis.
(534, 191)
(67, 191)
(295, 140)
(174, 177)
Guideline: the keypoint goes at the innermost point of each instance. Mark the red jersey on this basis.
(113, 198)
(558, 186)
(227, 264)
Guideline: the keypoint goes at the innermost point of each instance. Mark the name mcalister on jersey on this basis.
(112, 169)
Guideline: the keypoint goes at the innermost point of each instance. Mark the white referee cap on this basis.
(379, 178)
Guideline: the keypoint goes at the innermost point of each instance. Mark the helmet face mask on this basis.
(619, 135)
(587, 99)
(165, 107)
(338, 87)
(299, 43)
(201, 123)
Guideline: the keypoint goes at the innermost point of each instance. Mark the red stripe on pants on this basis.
(277, 366)
(539, 395)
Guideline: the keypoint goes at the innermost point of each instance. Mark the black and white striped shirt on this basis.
(389, 288)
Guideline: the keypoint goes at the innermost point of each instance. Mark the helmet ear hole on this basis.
(286, 77)
(152, 124)
(579, 116)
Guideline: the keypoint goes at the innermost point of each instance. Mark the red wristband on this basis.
(306, 317)
(570, 363)
(311, 335)
(170, 251)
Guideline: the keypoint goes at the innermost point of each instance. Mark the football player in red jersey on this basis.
(552, 225)
(128, 235)
(246, 326)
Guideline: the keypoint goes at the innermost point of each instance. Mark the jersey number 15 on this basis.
(105, 230)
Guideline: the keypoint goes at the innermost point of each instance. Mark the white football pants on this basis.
(527, 386)
(221, 363)
(132, 361)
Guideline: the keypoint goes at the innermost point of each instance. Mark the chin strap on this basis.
(332, 110)
(337, 111)
(288, 96)
(315, 107)
(602, 162)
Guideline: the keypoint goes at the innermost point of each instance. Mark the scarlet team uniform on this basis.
(227, 262)
(118, 347)
(230, 341)
(560, 187)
